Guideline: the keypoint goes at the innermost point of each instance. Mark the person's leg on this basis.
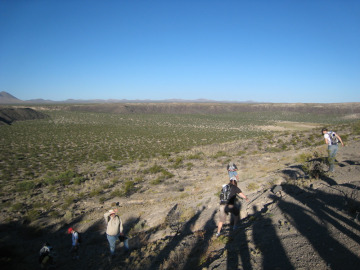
(112, 241)
(235, 211)
(219, 227)
(222, 219)
(332, 149)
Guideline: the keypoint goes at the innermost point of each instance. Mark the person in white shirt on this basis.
(331, 139)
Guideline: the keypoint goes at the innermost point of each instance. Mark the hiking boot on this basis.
(217, 234)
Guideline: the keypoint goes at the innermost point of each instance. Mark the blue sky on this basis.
(265, 51)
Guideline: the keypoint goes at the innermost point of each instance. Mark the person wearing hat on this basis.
(114, 229)
(230, 205)
(75, 243)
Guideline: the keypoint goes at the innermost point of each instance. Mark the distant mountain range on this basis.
(6, 98)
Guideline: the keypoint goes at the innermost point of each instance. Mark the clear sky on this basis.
(259, 50)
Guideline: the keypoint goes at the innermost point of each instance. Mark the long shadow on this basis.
(237, 246)
(201, 245)
(320, 205)
(331, 251)
(20, 245)
(267, 241)
(351, 162)
(174, 242)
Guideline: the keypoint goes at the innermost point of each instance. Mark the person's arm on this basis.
(76, 238)
(242, 195)
(339, 138)
(106, 216)
(327, 139)
(120, 226)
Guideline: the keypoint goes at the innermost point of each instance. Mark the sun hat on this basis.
(111, 211)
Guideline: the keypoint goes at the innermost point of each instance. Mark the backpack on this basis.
(333, 139)
(225, 194)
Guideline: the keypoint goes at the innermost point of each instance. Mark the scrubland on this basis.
(165, 169)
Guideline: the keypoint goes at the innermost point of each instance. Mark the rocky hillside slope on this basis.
(306, 223)
(9, 115)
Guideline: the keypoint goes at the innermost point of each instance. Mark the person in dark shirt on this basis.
(230, 205)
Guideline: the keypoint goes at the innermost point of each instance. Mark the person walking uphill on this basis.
(232, 170)
(227, 203)
(114, 229)
(74, 251)
(331, 139)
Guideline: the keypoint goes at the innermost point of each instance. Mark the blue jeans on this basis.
(112, 241)
(332, 150)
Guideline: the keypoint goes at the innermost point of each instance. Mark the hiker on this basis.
(114, 230)
(227, 204)
(232, 170)
(45, 256)
(331, 139)
(74, 251)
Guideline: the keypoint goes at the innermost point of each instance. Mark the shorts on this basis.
(225, 209)
(232, 174)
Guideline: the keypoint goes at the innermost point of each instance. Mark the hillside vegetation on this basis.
(165, 170)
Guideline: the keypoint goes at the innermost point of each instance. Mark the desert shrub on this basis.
(117, 193)
(178, 162)
(284, 147)
(252, 187)
(314, 167)
(241, 153)
(65, 177)
(111, 167)
(303, 157)
(54, 214)
(102, 200)
(273, 149)
(25, 186)
(157, 181)
(220, 154)
(154, 169)
(355, 128)
(17, 207)
(95, 192)
(129, 188)
(189, 166)
(68, 202)
(79, 180)
(32, 215)
(198, 155)
(50, 179)
(138, 179)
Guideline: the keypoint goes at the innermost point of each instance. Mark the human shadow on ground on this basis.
(174, 242)
(267, 241)
(334, 253)
(201, 245)
(237, 246)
